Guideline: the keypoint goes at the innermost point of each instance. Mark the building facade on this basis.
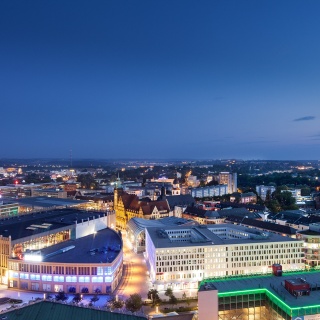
(91, 264)
(230, 179)
(128, 206)
(311, 247)
(262, 191)
(180, 257)
(36, 232)
(210, 191)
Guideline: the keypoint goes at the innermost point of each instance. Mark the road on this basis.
(135, 276)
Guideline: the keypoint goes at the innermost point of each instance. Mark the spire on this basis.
(163, 192)
(118, 182)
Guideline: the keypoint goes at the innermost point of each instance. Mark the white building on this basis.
(180, 257)
(263, 190)
(296, 193)
(210, 191)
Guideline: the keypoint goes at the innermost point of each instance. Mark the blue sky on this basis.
(160, 79)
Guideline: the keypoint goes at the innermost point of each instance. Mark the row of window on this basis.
(264, 263)
(24, 267)
(181, 268)
(179, 276)
(181, 256)
(178, 263)
(45, 277)
(260, 252)
(260, 258)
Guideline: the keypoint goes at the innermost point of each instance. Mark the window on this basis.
(46, 277)
(97, 279)
(71, 279)
(58, 278)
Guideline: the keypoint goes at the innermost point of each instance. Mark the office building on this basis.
(180, 257)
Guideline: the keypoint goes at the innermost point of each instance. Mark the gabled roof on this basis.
(132, 202)
(180, 200)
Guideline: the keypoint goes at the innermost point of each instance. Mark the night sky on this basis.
(160, 79)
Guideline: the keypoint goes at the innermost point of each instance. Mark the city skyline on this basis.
(160, 80)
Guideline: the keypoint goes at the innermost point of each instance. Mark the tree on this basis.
(285, 198)
(153, 295)
(173, 300)
(168, 292)
(95, 298)
(61, 296)
(268, 195)
(116, 303)
(77, 298)
(134, 303)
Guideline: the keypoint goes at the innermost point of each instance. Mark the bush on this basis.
(15, 301)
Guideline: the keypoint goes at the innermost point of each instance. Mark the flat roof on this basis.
(205, 236)
(101, 247)
(48, 202)
(31, 224)
(248, 284)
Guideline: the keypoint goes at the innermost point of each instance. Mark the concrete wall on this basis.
(208, 305)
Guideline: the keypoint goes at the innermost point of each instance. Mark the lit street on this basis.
(135, 277)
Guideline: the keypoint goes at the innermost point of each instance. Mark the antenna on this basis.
(70, 158)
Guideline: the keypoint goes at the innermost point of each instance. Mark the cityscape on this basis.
(161, 239)
(159, 159)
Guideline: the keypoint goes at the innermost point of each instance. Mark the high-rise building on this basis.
(229, 179)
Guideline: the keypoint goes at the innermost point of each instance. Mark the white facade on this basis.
(211, 191)
(180, 257)
(102, 221)
(263, 190)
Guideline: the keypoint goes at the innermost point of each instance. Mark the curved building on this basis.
(91, 264)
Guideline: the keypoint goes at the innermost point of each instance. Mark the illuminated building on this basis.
(311, 248)
(90, 264)
(180, 257)
(263, 190)
(248, 197)
(44, 229)
(128, 206)
(8, 209)
(230, 179)
(136, 229)
(210, 191)
(294, 295)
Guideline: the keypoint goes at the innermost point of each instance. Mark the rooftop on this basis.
(207, 235)
(27, 225)
(274, 285)
(48, 202)
(46, 310)
(101, 247)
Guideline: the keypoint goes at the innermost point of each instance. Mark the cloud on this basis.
(305, 118)
(259, 141)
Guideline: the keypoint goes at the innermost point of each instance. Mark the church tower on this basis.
(118, 190)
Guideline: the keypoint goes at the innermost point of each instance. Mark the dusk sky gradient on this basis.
(160, 79)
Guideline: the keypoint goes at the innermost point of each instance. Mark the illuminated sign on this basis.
(32, 257)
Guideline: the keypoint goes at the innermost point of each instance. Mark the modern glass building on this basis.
(261, 297)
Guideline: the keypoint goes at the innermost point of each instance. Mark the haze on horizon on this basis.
(160, 79)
